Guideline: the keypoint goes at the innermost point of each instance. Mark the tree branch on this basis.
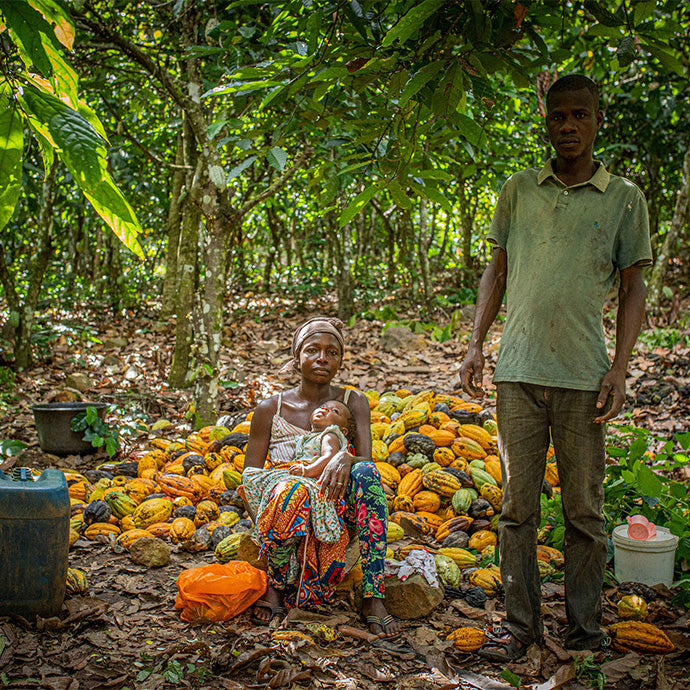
(269, 191)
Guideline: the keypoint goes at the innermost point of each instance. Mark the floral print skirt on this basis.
(307, 570)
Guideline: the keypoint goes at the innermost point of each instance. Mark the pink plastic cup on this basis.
(639, 527)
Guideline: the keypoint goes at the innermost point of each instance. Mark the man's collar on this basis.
(600, 179)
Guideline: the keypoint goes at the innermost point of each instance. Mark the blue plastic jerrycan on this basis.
(34, 542)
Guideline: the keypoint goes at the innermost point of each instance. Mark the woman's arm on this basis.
(260, 434)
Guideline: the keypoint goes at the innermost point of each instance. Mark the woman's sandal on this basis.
(273, 609)
(503, 649)
(382, 623)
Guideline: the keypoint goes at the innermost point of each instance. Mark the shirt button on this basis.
(565, 193)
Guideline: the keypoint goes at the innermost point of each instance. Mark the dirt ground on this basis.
(127, 634)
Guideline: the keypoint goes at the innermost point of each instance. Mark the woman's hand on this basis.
(336, 476)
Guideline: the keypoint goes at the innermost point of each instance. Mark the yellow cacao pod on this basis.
(640, 637)
(467, 639)
(632, 607)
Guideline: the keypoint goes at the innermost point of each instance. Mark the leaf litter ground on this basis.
(126, 632)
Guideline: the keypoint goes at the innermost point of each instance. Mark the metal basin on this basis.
(53, 425)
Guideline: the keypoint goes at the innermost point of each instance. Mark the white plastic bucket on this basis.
(649, 562)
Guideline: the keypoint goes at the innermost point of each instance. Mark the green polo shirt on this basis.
(564, 246)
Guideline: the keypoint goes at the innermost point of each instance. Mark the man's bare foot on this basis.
(269, 606)
(380, 622)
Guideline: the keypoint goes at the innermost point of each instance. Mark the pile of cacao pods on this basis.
(436, 455)
(440, 469)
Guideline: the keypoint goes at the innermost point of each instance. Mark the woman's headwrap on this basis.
(319, 324)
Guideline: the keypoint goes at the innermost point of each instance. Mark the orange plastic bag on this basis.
(218, 591)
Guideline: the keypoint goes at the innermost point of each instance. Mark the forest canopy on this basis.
(172, 154)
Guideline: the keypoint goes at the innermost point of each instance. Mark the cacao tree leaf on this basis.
(603, 15)
(411, 21)
(398, 194)
(11, 152)
(63, 26)
(83, 151)
(277, 158)
(241, 167)
(356, 205)
(32, 33)
(356, 18)
(246, 86)
(419, 80)
(113, 208)
(669, 61)
(469, 129)
(434, 195)
(626, 50)
(449, 91)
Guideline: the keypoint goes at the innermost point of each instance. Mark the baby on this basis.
(332, 427)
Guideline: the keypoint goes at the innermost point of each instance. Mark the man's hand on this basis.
(613, 386)
(471, 375)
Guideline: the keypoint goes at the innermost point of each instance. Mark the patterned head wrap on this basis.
(318, 324)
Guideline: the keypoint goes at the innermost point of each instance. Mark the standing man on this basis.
(562, 234)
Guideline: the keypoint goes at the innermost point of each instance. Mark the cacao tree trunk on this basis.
(424, 239)
(22, 312)
(171, 280)
(341, 242)
(180, 375)
(208, 309)
(678, 222)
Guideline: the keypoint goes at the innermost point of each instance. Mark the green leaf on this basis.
(626, 50)
(11, 152)
(469, 129)
(277, 158)
(356, 205)
(398, 194)
(9, 448)
(670, 62)
(648, 483)
(91, 414)
(111, 446)
(241, 167)
(113, 208)
(30, 31)
(603, 15)
(684, 440)
(246, 86)
(411, 21)
(511, 678)
(449, 92)
(643, 10)
(215, 127)
(420, 79)
(83, 152)
(434, 195)
(678, 490)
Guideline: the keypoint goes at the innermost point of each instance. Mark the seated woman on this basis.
(280, 508)
(301, 568)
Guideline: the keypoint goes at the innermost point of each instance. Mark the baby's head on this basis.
(334, 412)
